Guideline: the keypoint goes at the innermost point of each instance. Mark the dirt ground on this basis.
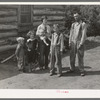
(11, 78)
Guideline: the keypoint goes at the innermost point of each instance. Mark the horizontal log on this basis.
(59, 7)
(8, 34)
(24, 24)
(7, 47)
(8, 19)
(8, 27)
(9, 6)
(2, 42)
(49, 20)
(50, 23)
(24, 28)
(48, 14)
(38, 18)
(45, 11)
(7, 12)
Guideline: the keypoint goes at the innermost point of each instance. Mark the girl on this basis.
(31, 49)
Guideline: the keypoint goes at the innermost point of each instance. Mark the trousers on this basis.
(44, 53)
(80, 54)
(55, 60)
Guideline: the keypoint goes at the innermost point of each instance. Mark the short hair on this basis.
(56, 25)
(77, 14)
(43, 17)
(31, 32)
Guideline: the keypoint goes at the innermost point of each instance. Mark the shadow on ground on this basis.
(91, 44)
(8, 70)
(77, 72)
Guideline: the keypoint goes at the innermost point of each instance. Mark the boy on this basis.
(20, 53)
(57, 45)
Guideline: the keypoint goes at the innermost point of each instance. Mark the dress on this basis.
(32, 51)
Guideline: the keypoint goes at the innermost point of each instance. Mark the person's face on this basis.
(44, 21)
(55, 28)
(32, 35)
(77, 17)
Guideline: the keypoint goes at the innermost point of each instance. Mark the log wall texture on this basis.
(55, 14)
(12, 19)
(8, 25)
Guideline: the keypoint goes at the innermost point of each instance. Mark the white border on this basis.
(51, 3)
(49, 93)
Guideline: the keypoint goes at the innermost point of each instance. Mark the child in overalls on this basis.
(57, 45)
(20, 53)
(31, 50)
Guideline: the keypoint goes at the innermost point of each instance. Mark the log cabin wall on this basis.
(55, 14)
(8, 25)
(17, 20)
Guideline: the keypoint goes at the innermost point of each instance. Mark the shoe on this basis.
(82, 74)
(59, 75)
(70, 71)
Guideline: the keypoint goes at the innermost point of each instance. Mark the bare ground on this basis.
(10, 78)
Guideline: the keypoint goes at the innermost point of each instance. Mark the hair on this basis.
(77, 13)
(57, 25)
(43, 17)
(31, 32)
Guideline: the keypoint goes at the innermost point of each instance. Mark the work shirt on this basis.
(43, 30)
(57, 40)
(78, 32)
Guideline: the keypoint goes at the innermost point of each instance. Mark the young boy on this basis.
(31, 50)
(20, 53)
(57, 45)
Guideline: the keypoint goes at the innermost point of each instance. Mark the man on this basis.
(44, 31)
(76, 43)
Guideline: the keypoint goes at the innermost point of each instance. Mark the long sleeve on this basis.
(51, 42)
(62, 42)
(84, 30)
(71, 32)
(17, 50)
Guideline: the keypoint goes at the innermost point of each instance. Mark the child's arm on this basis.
(17, 51)
(62, 42)
(40, 31)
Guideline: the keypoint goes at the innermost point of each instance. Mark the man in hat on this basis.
(76, 43)
(44, 32)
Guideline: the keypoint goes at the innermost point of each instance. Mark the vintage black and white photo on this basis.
(49, 46)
